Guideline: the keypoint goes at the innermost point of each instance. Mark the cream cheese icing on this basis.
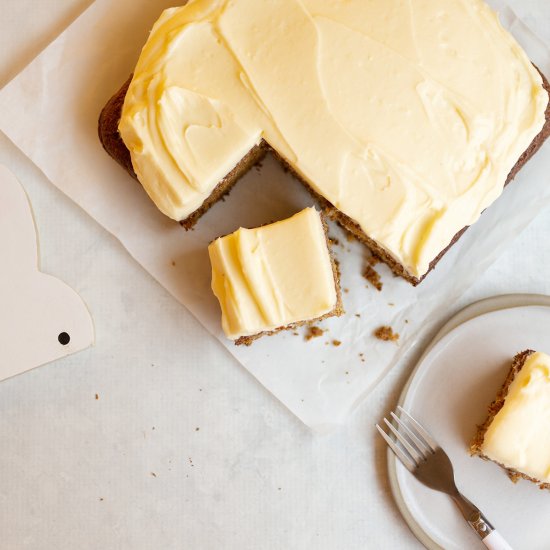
(273, 276)
(519, 435)
(406, 116)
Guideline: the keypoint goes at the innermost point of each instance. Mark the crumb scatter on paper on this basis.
(373, 260)
(314, 332)
(386, 334)
(373, 277)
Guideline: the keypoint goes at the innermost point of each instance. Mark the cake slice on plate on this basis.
(516, 435)
(275, 277)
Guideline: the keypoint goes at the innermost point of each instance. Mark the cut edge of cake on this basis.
(115, 147)
(476, 445)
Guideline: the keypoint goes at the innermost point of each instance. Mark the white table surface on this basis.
(232, 468)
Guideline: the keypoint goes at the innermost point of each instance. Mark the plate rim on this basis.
(471, 311)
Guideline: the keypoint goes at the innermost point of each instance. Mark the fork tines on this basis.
(411, 443)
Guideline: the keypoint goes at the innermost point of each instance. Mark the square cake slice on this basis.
(516, 435)
(275, 277)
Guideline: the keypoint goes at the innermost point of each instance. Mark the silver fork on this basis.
(427, 461)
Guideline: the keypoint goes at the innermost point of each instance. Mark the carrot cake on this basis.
(516, 435)
(275, 277)
(404, 119)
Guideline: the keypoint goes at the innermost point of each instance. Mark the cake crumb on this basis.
(373, 260)
(346, 290)
(386, 334)
(314, 332)
(336, 343)
(362, 357)
(391, 304)
(373, 277)
(350, 237)
(197, 429)
(96, 396)
(358, 315)
(334, 241)
(153, 474)
(515, 477)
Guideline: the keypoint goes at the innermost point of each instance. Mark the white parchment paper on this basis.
(50, 112)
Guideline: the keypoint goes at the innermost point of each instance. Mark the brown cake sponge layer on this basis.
(494, 408)
(115, 147)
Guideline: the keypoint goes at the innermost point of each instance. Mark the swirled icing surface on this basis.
(519, 435)
(273, 276)
(405, 115)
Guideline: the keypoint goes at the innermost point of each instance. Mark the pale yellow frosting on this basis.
(273, 276)
(405, 115)
(519, 435)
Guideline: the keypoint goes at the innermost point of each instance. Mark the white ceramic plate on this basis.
(449, 392)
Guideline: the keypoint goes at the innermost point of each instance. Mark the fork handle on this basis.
(495, 541)
(491, 539)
